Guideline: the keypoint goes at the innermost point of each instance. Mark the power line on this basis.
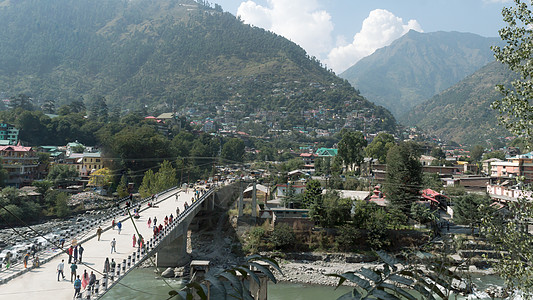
(57, 245)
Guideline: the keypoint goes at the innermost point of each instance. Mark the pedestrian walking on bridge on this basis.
(73, 268)
(77, 287)
(119, 226)
(80, 252)
(107, 267)
(60, 268)
(99, 232)
(113, 246)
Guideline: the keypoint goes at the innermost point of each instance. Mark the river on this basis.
(146, 284)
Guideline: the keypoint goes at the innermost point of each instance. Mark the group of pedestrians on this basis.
(167, 221)
(76, 252)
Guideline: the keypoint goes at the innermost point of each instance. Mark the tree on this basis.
(122, 187)
(508, 232)
(22, 101)
(146, 188)
(477, 152)
(282, 236)
(351, 148)
(379, 147)
(421, 214)
(494, 154)
(102, 177)
(49, 106)
(233, 150)
(313, 193)
(469, 209)
(62, 174)
(515, 108)
(403, 180)
(99, 109)
(78, 148)
(61, 205)
(43, 186)
(438, 153)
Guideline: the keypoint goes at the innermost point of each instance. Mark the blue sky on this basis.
(340, 32)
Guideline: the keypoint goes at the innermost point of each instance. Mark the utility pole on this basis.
(254, 200)
(240, 198)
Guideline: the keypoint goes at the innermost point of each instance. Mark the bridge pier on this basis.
(174, 254)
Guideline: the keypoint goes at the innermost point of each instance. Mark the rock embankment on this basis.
(311, 268)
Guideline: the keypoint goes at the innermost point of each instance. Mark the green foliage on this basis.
(154, 183)
(431, 181)
(230, 283)
(255, 238)
(469, 209)
(204, 55)
(438, 114)
(233, 150)
(336, 210)
(404, 176)
(122, 187)
(477, 152)
(508, 234)
(422, 214)
(312, 193)
(379, 147)
(375, 220)
(19, 205)
(515, 108)
(282, 236)
(396, 279)
(347, 237)
(351, 148)
(78, 149)
(438, 153)
(62, 174)
(61, 205)
(43, 186)
(146, 188)
(494, 154)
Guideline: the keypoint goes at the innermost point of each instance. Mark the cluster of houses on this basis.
(25, 164)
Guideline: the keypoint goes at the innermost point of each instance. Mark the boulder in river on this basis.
(168, 273)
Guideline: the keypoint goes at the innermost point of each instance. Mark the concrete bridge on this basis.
(170, 247)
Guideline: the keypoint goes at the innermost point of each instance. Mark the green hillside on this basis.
(418, 66)
(462, 113)
(158, 55)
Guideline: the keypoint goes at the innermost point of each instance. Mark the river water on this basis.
(146, 284)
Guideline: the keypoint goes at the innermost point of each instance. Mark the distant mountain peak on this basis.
(417, 66)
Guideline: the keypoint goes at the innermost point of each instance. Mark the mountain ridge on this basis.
(417, 66)
(161, 55)
(462, 113)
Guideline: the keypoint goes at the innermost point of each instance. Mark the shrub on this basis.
(282, 236)
(347, 237)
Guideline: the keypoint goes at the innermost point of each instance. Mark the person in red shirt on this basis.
(70, 251)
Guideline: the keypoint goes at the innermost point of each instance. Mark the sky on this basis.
(341, 32)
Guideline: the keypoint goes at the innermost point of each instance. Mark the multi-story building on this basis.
(84, 163)
(21, 164)
(9, 133)
(520, 166)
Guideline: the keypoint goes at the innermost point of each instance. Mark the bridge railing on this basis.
(142, 253)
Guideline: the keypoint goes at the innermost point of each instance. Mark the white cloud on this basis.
(301, 21)
(379, 29)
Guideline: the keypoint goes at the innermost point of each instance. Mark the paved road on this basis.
(42, 283)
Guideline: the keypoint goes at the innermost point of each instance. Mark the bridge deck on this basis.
(42, 283)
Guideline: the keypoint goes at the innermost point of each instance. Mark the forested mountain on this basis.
(418, 66)
(158, 55)
(462, 113)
